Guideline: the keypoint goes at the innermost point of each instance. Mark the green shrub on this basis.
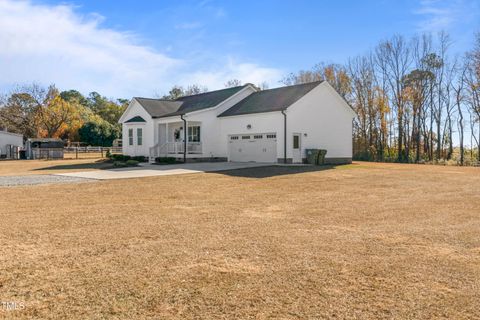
(140, 158)
(165, 160)
(120, 157)
(132, 163)
(119, 164)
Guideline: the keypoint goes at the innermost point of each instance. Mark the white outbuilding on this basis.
(242, 124)
(10, 143)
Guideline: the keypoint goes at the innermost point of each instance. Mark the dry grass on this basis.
(28, 167)
(84, 155)
(365, 241)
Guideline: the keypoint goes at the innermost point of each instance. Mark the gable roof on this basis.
(270, 100)
(206, 100)
(159, 108)
(136, 119)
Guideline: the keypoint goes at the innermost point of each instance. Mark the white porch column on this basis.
(185, 133)
(166, 133)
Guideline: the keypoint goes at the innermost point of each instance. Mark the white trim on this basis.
(249, 114)
(135, 123)
(160, 119)
(121, 120)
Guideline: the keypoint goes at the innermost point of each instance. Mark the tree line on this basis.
(415, 101)
(35, 111)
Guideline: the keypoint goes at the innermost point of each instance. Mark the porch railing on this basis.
(175, 148)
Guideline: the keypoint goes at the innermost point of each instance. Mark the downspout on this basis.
(284, 136)
(184, 138)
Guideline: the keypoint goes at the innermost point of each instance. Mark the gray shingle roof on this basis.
(159, 108)
(206, 100)
(270, 100)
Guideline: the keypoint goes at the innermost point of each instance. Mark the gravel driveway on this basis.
(9, 181)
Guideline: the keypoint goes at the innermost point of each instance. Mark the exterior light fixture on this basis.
(249, 126)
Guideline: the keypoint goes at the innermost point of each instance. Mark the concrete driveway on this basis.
(152, 170)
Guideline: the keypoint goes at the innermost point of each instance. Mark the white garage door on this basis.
(258, 147)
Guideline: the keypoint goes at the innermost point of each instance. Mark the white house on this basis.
(242, 124)
(9, 144)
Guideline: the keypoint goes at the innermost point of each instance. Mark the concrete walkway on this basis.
(151, 170)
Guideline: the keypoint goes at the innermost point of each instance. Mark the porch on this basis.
(170, 139)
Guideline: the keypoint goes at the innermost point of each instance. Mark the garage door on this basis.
(258, 147)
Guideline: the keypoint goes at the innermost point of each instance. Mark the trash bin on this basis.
(22, 154)
(321, 156)
(312, 156)
(316, 156)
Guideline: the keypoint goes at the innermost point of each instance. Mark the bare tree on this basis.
(472, 83)
(233, 83)
(394, 58)
(458, 86)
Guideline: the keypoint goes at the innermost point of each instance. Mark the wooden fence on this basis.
(89, 152)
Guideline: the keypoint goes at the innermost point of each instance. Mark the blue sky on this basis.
(125, 48)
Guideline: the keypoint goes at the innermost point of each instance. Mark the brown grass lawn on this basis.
(364, 241)
(28, 167)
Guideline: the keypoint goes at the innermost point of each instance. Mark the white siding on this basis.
(325, 118)
(9, 138)
(134, 110)
(271, 122)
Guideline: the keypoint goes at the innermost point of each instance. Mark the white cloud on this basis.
(442, 15)
(55, 44)
(232, 69)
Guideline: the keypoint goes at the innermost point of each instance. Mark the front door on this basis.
(297, 153)
(139, 149)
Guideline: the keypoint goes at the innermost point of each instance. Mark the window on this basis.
(130, 137)
(296, 142)
(271, 136)
(258, 136)
(139, 136)
(245, 137)
(194, 134)
(234, 138)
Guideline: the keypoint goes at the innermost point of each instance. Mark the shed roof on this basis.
(45, 140)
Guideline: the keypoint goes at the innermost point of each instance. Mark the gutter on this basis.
(184, 138)
(284, 136)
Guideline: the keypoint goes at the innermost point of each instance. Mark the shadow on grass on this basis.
(79, 166)
(273, 171)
